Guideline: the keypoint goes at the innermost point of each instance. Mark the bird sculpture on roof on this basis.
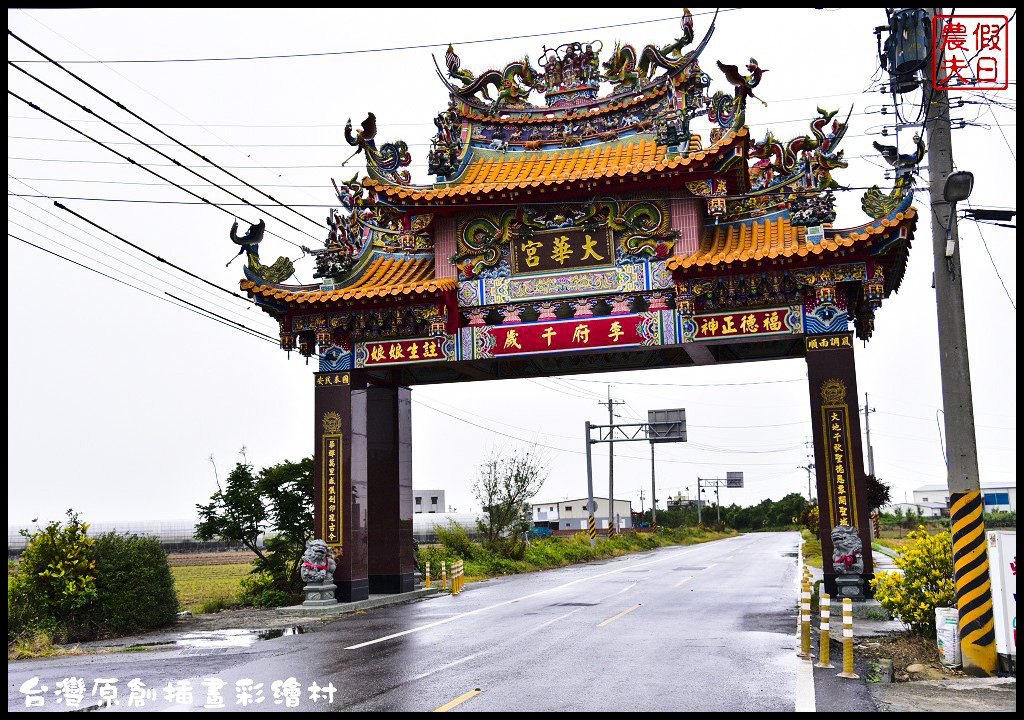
(744, 84)
(281, 270)
(891, 154)
(363, 137)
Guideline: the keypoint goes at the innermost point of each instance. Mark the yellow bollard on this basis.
(428, 575)
(444, 575)
(823, 661)
(848, 640)
(805, 622)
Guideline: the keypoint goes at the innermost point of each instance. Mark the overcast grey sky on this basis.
(117, 398)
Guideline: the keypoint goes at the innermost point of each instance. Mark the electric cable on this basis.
(133, 162)
(387, 49)
(205, 313)
(151, 147)
(154, 127)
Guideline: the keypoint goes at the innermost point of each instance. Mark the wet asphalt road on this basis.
(706, 627)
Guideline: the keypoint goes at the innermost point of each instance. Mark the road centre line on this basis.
(688, 577)
(612, 619)
(459, 700)
(709, 566)
(669, 556)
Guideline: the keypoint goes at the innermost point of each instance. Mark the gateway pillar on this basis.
(389, 488)
(839, 464)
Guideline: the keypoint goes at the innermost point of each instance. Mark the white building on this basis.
(428, 501)
(573, 515)
(997, 497)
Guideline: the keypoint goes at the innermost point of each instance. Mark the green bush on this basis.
(55, 584)
(215, 605)
(255, 584)
(456, 540)
(435, 554)
(270, 598)
(134, 585)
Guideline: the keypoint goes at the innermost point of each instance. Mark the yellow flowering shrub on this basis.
(925, 583)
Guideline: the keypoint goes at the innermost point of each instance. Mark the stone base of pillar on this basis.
(391, 584)
(353, 590)
(320, 595)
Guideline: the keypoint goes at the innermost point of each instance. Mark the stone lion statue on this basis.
(317, 564)
(847, 551)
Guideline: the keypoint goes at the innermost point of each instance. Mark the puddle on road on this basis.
(210, 639)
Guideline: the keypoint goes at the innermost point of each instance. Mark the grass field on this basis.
(200, 584)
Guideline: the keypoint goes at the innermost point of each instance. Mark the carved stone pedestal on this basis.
(850, 586)
(320, 595)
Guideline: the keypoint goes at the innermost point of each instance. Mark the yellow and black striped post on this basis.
(973, 587)
(874, 523)
(444, 575)
(848, 640)
(592, 529)
(823, 640)
(428, 575)
(805, 621)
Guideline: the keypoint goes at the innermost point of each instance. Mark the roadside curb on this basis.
(350, 607)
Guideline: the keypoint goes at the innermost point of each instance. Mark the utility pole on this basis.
(867, 426)
(611, 460)
(808, 467)
(654, 497)
(970, 565)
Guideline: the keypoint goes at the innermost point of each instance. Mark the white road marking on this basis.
(443, 667)
(669, 556)
(804, 668)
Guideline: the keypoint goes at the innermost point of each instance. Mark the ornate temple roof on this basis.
(738, 201)
(774, 237)
(385, 276)
(495, 171)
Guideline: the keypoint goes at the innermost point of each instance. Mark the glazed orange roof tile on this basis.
(495, 171)
(776, 238)
(385, 276)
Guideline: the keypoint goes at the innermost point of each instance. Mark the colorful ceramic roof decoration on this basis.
(582, 182)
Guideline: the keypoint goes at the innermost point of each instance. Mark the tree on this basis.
(878, 493)
(238, 514)
(504, 487)
(277, 503)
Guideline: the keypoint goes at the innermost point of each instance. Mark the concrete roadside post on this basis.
(823, 659)
(848, 640)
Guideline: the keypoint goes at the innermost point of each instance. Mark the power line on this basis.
(151, 147)
(206, 313)
(155, 278)
(375, 50)
(162, 132)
